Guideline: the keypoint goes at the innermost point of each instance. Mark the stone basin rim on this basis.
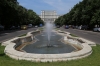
(10, 51)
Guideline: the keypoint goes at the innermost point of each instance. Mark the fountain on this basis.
(48, 42)
(48, 30)
(48, 46)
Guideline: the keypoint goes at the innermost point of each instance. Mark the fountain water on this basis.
(49, 42)
(48, 30)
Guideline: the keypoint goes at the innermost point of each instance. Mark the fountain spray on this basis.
(48, 29)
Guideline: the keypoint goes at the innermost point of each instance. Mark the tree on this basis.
(13, 14)
(86, 12)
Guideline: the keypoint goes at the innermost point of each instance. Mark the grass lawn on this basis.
(22, 35)
(92, 60)
(73, 35)
(41, 28)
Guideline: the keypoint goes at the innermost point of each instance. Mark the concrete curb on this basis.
(64, 33)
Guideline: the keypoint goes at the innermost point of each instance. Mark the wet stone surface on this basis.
(55, 45)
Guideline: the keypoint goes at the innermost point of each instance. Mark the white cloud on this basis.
(61, 6)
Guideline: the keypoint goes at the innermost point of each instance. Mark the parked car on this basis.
(99, 29)
(73, 26)
(30, 25)
(1, 27)
(12, 27)
(36, 26)
(66, 27)
(24, 27)
(83, 27)
(96, 29)
(76, 27)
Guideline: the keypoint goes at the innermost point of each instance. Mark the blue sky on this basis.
(61, 6)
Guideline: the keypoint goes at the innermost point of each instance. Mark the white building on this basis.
(48, 15)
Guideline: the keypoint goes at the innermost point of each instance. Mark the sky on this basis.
(60, 6)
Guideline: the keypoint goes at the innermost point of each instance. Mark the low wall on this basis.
(10, 51)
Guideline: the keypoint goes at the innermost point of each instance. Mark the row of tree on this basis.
(86, 12)
(13, 14)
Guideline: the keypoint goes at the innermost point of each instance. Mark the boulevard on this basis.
(89, 35)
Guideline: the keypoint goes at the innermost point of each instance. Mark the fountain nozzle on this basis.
(48, 45)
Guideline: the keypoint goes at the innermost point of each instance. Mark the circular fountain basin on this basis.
(56, 46)
(55, 52)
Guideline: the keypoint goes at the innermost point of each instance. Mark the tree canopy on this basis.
(86, 12)
(13, 14)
